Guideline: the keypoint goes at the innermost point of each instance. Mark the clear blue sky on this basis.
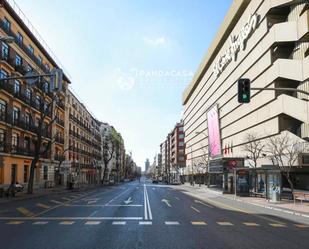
(130, 60)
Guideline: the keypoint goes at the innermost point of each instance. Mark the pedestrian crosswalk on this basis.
(149, 223)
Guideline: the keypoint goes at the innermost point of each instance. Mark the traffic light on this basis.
(56, 79)
(244, 90)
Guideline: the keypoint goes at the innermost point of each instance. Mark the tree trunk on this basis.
(31, 177)
(104, 173)
(290, 182)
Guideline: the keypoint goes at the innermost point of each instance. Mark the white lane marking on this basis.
(66, 222)
(145, 223)
(42, 205)
(198, 223)
(129, 205)
(195, 209)
(145, 204)
(119, 223)
(93, 222)
(166, 202)
(224, 223)
(117, 196)
(70, 218)
(177, 198)
(40, 223)
(171, 223)
(128, 201)
(251, 224)
(148, 205)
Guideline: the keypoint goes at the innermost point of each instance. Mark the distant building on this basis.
(147, 165)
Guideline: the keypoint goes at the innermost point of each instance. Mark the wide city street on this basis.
(144, 215)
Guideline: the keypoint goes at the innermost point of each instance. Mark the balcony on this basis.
(15, 149)
(59, 158)
(59, 139)
(6, 57)
(60, 122)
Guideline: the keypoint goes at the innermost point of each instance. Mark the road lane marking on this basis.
(196, 210)
(93, 222)
(56, 202)
(145, 204)
(119, 223)
(198, 223)
(145, 222)
(277, 225)
(251, 224)
(117, 196)
(177, 198)
(25, 211)
(71, 218)
(171, 223)
(66, 222)
(301, 225)
(148, 206)
(224, 223)
(40, 223)
(42, 205)
(166, 202)
(129, 205)
(15, 222)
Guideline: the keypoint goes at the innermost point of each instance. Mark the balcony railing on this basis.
(59, 157)
(60, 122)
(59, 139)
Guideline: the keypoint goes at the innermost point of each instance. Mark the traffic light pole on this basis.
(280, 89)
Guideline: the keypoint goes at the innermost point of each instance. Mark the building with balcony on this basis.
(22, 106)
(83, 141)
(268, 42)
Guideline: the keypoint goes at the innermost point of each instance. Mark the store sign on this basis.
(237, 43)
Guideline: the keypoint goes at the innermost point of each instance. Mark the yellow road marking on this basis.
(42, 205)
(224, 223)
(40, 223)
(277, 225)
(198, 223)
(14, 222)
(301, 225)
(251, 224)
(66, 222)
(196, 210)
(25, 211)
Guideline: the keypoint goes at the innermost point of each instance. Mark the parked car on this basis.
(175, 182)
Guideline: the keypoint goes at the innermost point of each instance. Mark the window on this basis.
(181, 135)
(180, 128)
(28, 94)
(27, 143)
(3, 74)
(16, 113)
(26, 167)
(181, 158)
(2, 109)
(2, 139)
(45, 172)
(181, 151)
(40, 60)
(20, 38)
(47, 67)
(6, 24)
(16, 86)
(18, 60)
(27, 118)
(45, 87)
(30, 49)
(5, 51)
(15, 141)
(181, 143)
(29, 68)
(37, 101)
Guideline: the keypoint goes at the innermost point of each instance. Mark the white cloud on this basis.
(158, 41)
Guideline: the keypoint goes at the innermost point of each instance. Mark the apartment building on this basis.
(266, 41)
(83, 141)
(21, 104)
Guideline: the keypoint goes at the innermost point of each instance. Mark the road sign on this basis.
(232, 163)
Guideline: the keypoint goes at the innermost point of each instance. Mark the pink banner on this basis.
(214, 141)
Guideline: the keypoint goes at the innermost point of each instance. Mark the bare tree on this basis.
(48, 109)
(284, 152)
(108, 150)
(253, 147)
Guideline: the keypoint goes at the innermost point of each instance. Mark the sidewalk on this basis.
(286, 206)
(40, 192)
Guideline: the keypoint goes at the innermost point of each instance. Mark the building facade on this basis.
(268, 42)
(22, 104)
(83, 142)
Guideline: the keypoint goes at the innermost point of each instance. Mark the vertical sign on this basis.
(214, 139)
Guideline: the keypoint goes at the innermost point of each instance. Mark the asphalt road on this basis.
(143, 215)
